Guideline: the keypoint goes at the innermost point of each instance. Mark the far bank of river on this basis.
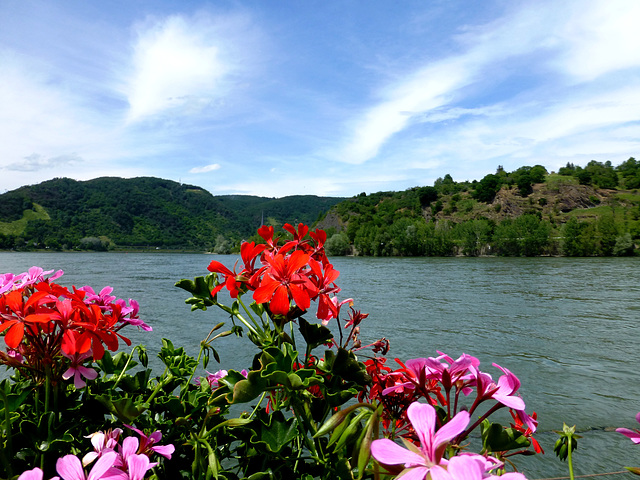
(567, 327)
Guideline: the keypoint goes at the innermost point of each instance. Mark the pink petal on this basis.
(389, 453)
(70, 468)
(104, 463)
(452, 428)
(423, 419)
(138, 466)
(164, 450)
(509, 400)
(35, 474)
(632, 434)
(129, 447)
(418, 473)
(439, 473)
(88, 373)
(465, 468)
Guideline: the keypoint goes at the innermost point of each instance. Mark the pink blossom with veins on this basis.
(129, 314)
(504, 392)
(69, 467)
(474, 467)
(460, 371)
(8, 281)
(102, 442)
(35, 474)
(426, 459)
(36, 275)
(148, 443)
(103, 299)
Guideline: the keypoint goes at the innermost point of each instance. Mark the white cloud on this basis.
(180, 65)
(205, 169)
(582, 39)
(36, 162)
(600, 37)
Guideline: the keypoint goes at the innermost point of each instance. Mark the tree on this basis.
(338, 245)
(487, 188)
(526, 235)
(577, 240)
(624, 245)
(474, 236)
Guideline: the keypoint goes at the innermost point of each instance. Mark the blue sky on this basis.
(279, 97)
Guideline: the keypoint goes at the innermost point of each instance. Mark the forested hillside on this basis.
(578, 211)
(114, 212)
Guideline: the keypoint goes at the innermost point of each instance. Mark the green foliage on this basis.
(526, 236)
(144, 211)
(338, 245)
(487, 188)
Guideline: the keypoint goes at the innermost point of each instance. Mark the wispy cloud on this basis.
(580, 40)
(36, 162)
(205, 169)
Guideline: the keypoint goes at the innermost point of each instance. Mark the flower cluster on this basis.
(427, 458)
(288, 277)
(114, 460)
(445, 384)
(291, 275)
(50, 331)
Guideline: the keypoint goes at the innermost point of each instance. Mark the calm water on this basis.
(568, 328)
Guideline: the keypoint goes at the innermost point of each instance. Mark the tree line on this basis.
(463, 218)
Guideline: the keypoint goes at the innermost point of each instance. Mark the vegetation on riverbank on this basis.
(527, 212)
(148, 213)
(590, 211)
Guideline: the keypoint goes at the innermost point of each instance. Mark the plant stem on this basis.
(569, 459)
(7, 421)
(125, 368)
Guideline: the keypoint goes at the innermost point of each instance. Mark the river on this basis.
(567, 327)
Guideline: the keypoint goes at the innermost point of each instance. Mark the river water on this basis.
(567, 327)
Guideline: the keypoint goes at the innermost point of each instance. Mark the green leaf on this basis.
(314, 334)
(200, 288)
(346, 366)
(496, 438)
(275, 431)
(125, 408)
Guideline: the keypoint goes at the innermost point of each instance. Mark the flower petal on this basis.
(104, 463)
(423, 419)
(390, 453)
(452, 428)
(634, 435)
(70, 468)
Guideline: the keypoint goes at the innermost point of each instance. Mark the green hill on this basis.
(113, 212)
(578, 211)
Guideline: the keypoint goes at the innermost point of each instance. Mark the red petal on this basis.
(218, 267)
(280, 301)
(14, 335)
(264, 292)
(300, 296)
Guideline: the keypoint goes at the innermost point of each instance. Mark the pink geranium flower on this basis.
(427, 459)
(102, 442)
(70, 468)
(77, 371)
(473, 467)
(148, 443)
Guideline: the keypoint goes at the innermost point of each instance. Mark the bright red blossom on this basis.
(283, 280)
(42, 320)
